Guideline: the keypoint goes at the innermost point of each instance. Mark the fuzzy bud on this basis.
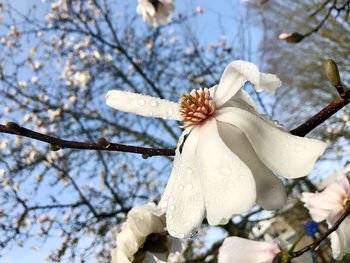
(332, 72)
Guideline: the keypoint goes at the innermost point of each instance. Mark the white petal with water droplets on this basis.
(143, 105)
(228, 184)
(285, 154)
(236, 74)
(270, 190)
(183, 198)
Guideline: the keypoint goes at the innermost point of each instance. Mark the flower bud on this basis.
(13, 126)
(145, 156)
(294, 37)
(54, 147)
(332, 72)
(103, 142)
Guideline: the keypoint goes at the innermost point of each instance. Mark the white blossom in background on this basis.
(241, 250)
(81, 78)
(329, 205)
(142, 221)
(155, 12)
(199, 10)
(22, 84)
(231, 153)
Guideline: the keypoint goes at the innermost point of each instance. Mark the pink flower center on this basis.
(196, 107)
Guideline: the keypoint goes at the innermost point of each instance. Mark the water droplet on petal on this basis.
(154, 103)
(151, 114)
(171, 198)
(172, 207)
(181, 235)
(181, 187)
(189, 170)
(170, 111)
(170, 217)
(141, 102)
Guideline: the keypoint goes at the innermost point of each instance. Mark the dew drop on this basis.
(171, 198)
(154, 103)
(141, 102)
(181, 187)
(170, 111)
(170, 217)
(172, 207)
(150, 114)
(181, 235)
(189, 170)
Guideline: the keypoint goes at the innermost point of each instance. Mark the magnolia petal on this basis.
(285, 154)
(228, 184)
(340, 239)
(173, 176)
(147, 219)
(143, 105)
(129, 240)
(323, 201)
(244, 96)
(270, 190)
(317, 214)
(236, 74)
(241, 250)
(118, 256)
(183, 199)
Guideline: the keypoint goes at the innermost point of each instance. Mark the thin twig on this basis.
(313, 245)
(148, 152)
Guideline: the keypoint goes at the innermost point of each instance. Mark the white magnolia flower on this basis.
(329, 205)
(241, 250)
(155, 11)
(231, 153)
(142, 221)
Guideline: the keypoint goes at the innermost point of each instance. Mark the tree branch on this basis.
(147, 152)
(300, 131)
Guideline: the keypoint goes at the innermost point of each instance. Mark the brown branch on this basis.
(313, 245)
(323, 115)
(147, 152)
(57, 143)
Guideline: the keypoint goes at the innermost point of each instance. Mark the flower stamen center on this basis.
(196, 107)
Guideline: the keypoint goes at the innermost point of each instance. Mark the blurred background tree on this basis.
(323, 30)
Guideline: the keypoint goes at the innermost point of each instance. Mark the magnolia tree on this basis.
(110, 186)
